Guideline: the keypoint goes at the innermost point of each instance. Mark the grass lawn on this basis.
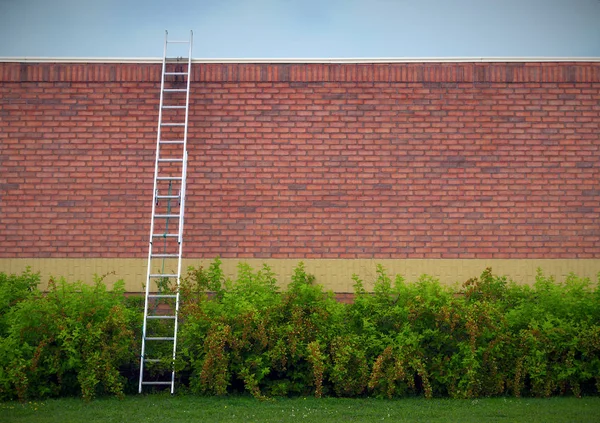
(161, 408)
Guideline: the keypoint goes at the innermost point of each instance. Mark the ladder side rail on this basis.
(179, 265)
(149, 269)
(185, 153)
(182, 204)
(187, 94)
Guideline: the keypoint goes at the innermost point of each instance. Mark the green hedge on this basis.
(494, 337)
(71, 340)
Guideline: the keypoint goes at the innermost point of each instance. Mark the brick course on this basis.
(419, 160)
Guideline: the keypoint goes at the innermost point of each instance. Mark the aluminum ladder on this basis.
(161, 306)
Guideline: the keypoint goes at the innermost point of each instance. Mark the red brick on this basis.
(396, 163)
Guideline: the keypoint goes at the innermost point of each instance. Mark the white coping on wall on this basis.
(358, 60)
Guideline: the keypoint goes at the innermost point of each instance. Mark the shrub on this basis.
(493, 337)
(248, 332)
(400, 339)
(14, 289)
(72, 339)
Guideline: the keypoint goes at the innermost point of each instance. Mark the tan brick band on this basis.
(334, 274)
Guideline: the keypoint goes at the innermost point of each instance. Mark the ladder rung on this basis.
(173, 107)
(176, 73)
(163, 275)
(172, 142)
(173, 124)
(162, 295)
(166, 216)
(165, 235)
(169, 178)
(164, 256)
(178, 42)
(175, 90)
(160, 338)
(170, 160)
(152, 360)
(157, 383)
(161, 317)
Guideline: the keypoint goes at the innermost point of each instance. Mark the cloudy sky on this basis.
(302, 28)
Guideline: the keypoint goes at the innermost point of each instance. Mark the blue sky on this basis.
(302, 28)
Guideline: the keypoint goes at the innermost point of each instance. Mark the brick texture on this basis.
(452, 160)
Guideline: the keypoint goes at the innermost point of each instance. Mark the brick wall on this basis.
(426, 160)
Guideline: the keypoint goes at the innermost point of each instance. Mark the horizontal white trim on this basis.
(366, 60)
